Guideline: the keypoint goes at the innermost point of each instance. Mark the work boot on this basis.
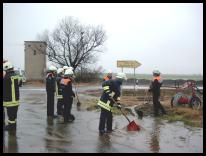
(10, 127)
(101, 132)
(55, 116)
(71, 118)
(156, 114)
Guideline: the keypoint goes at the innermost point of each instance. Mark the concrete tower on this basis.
(35, 60)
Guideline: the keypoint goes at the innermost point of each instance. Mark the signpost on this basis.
(129, 64)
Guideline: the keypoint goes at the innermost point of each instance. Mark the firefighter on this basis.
(155, 85)
(68, 95)
(10, 95)
(50, 89)
(59, 91)
(108, 76)
(111, 91)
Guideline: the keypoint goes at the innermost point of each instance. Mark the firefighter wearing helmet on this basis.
(111, 92)
(155, 85)
(50, 89)
(10, 95)
(68, 95)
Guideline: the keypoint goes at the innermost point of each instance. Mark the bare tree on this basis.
(73, 44)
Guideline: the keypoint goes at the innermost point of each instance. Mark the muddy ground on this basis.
(142, 100)
(35, 133)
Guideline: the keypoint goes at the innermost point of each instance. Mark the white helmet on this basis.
(65, 67)
(71, 68)
(52, 68)
(60, 70)
(7, 65)
(121, 76)
(68, 72)
(156, 72)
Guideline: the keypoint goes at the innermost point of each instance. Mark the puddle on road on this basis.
(36, 134)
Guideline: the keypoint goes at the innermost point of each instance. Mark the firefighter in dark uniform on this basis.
(155, 85)
(59, 91)
(50, 89)
(111, 91)
(10, 94)
(108, 76)
(68, 95)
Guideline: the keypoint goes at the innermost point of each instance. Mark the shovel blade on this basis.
(133, 126)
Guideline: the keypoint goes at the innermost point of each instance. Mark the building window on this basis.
(34, 52)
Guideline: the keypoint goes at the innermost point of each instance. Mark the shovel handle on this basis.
(125, 115)
(121, 110)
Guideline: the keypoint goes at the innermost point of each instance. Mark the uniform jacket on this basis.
(111, 88)
(66, 85)
(10, 89)
(155, 85)
(50, 83)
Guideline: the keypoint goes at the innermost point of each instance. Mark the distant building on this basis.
(35, 60)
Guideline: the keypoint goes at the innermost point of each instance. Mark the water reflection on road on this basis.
(37, 134)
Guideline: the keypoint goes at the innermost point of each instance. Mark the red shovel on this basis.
(132, 126)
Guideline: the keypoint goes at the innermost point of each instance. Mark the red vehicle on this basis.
(181, 99)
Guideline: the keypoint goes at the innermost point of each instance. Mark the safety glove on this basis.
(118, 105)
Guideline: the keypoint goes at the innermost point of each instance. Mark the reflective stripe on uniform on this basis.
(14, 102)
(104, 105)
(106, 87)
(10, 104)
(13, 88)
(59, 96)
(12, 122)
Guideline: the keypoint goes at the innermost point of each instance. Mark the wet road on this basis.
(36, 134)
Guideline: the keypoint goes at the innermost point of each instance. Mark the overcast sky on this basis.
(167, 36)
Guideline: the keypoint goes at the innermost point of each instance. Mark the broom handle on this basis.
(121, 110)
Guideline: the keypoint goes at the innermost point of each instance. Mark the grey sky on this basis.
(169, 36)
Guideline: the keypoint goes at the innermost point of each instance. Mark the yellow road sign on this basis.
(128, 64)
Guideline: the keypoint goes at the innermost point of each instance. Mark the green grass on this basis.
(174, 118)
